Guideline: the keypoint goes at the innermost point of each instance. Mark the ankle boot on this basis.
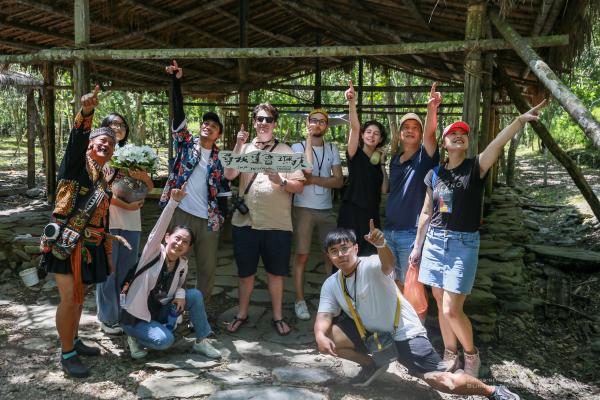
(472, 363)
(451, 360)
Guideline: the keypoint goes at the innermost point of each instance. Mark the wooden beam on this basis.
(278, 52)
(168, 23)
(474, 30)
(562, 157)
(243, 64)
(49, 100)
(571, 103)
(81, 18)
(30, 139)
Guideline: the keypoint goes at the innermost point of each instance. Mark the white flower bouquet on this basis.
(135, 157)
(131, 157)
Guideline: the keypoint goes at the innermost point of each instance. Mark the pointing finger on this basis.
(242, 128)
(96, 91)
(350, 84)
(175, 63)
(371, 225)
(542, 104)
(433, 89)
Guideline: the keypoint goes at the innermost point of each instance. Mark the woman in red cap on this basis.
(448, 232)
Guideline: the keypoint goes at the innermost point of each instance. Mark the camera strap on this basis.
(256, 173)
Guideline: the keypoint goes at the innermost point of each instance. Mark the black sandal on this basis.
(236, 320)
(278, 326)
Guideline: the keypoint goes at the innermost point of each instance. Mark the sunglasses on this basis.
(118, 125)
(268, 120)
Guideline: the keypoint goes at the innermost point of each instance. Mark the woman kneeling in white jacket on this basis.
(159, 285)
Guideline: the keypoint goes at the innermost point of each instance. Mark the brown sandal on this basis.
(232, 327)
(278, 325)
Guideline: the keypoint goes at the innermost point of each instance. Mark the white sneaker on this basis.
(111, 329)
(302, 310)
(135, 349)
(203, 346)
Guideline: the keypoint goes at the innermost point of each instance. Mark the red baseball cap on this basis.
(454, 126)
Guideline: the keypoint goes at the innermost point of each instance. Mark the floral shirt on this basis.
(186, 158)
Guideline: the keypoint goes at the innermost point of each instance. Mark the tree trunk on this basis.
(571, 103)
(552, 146)
(510, 159)
(30, 139)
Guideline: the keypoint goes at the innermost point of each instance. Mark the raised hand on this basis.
(375, 236)
(179, 194)
(435, 98)
(533, 114)
(90, 101)
(350, 94)
(242, 136)
(174, 69)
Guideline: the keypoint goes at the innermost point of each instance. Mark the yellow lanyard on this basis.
(359, 325)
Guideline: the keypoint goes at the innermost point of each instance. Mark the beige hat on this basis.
(408, 116)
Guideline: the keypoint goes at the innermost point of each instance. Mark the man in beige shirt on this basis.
(266, 229)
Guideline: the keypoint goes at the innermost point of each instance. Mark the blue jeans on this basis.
(401, 243)
(155, 335)
(449, 260)
(107, 293)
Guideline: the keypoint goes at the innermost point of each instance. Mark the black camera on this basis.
(240, 205)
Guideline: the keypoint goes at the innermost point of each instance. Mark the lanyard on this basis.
(357, 321)
(319, 164)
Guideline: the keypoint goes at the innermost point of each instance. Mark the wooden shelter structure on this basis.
(236, 46)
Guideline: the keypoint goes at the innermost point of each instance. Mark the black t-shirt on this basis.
(364, 181)
(457, 196)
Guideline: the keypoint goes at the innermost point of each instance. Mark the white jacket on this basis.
(136, 302)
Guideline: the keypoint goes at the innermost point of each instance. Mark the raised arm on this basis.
(308, 151)
(155, 238)
(242, 136)
(488, 157)
(424, 220)
(435, 99)
(376, 238)
(176, 73)
(354, 136)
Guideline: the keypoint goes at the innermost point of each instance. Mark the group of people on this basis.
(432, 221)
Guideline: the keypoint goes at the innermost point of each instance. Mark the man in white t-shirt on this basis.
(370, 288)
(313, 207)
(197, 163)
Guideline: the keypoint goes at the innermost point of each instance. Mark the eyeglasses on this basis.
(317, 121)
(344, 250)
(118, 125)
(268, 120)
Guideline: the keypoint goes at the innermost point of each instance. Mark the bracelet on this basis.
(382, 245)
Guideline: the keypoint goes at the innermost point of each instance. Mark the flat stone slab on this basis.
(268, 393)
(234, 378)
(217, 290)
(183, 361)
(38, 344)
(254, 315)
(302, 376)
(574, 254)
(179, 384)
(230, 270)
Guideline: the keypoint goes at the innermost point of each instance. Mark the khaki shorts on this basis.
(305, 220)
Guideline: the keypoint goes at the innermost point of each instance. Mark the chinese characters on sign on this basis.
(260, 160)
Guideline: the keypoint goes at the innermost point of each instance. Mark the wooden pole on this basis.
(473, 69)
(170, 127)
(81, 19)
(486, 112)
(359, 102)
(243, 64)
(571, 103)
(49, 101)
(317, 93)
(549, 142)
(277, 52)
(30, 139)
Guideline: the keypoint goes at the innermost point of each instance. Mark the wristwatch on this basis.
(283, 183)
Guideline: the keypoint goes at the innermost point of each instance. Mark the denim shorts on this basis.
(401, 243)
(449, 260)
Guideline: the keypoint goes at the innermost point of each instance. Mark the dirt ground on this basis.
(541, 356)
